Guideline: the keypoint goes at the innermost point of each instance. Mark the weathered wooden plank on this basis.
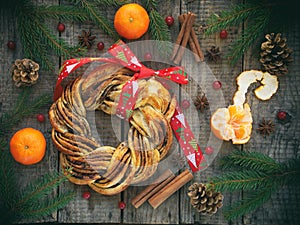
(204, 74)
(166, 213)
(9, 93)
(99, 208)
(283, 143)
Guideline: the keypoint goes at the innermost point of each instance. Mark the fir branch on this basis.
(158, 28)
(44, 208)
(37, 38)
(38, 189)
(95, 15)
(241, 180)
(235, 15)
(160, 32)
(32, 47)
(21, 109)
(8, 184)
(108, 3)
(250, 160)
(258, 16)
(60, 47)
(150, 4)
(248, 204)
(252, 32)
(61, 12)
(257, 174)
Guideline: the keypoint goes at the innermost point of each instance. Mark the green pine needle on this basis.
(46, 207)
(260, 17)
(95, 15)
(241, 180)
(250, 160)
(158, 29)
(61, 12)
(150, 4)
(255, 173)
(22, 108)
(37, 39)
(40, 188)
(248, 204)
(108, 3)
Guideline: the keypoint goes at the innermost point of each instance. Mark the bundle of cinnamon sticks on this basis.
(186, 36)
(162, 188)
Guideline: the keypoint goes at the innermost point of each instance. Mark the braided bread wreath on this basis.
(106, 169)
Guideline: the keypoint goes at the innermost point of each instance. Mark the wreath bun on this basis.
(106, 169)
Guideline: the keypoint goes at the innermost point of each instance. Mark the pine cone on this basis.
(204, 200)
(275, 54)
(25, 72)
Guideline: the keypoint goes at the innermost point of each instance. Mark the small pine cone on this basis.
(25, 72)
(206, 201)
(275, 54)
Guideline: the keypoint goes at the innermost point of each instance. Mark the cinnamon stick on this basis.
(153, 188)
(170, 188)
(180, 36)
(193, 42)
(188, 28)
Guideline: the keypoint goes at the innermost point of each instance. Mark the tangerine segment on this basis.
(232, 123)
(28, 146)
(131, 21)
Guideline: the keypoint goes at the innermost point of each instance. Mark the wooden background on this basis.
(283, 144)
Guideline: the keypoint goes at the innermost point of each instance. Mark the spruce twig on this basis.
(37, 38)
(158, 28)
(22, 108)
(96, 16)
(259, 16)
(249, 160)
(45, 208)
(61, 12)
(249, 203)
(35, 200)
(258, 175)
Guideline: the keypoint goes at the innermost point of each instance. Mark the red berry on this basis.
(185, 104)
(148, 56)
(281, 115)
(11, 45)
(40, 117)
(217, 85)
(209, 150)
(169, 20)
(223, 34)
(122, 205)
(100, 45)
(86, 195)
(60, 27)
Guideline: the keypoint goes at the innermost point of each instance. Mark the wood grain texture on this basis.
(208, 72)
(283, 144)
(9, 93)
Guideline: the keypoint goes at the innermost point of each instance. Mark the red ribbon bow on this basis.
(124, 56)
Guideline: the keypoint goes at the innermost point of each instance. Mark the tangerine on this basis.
(131, 21)
(232, 123)
(28, 146)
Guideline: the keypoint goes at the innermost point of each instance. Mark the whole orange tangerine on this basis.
(131, 21)
(28, 146)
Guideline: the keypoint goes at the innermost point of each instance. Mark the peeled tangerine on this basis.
(235, 122)
(232, 123)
